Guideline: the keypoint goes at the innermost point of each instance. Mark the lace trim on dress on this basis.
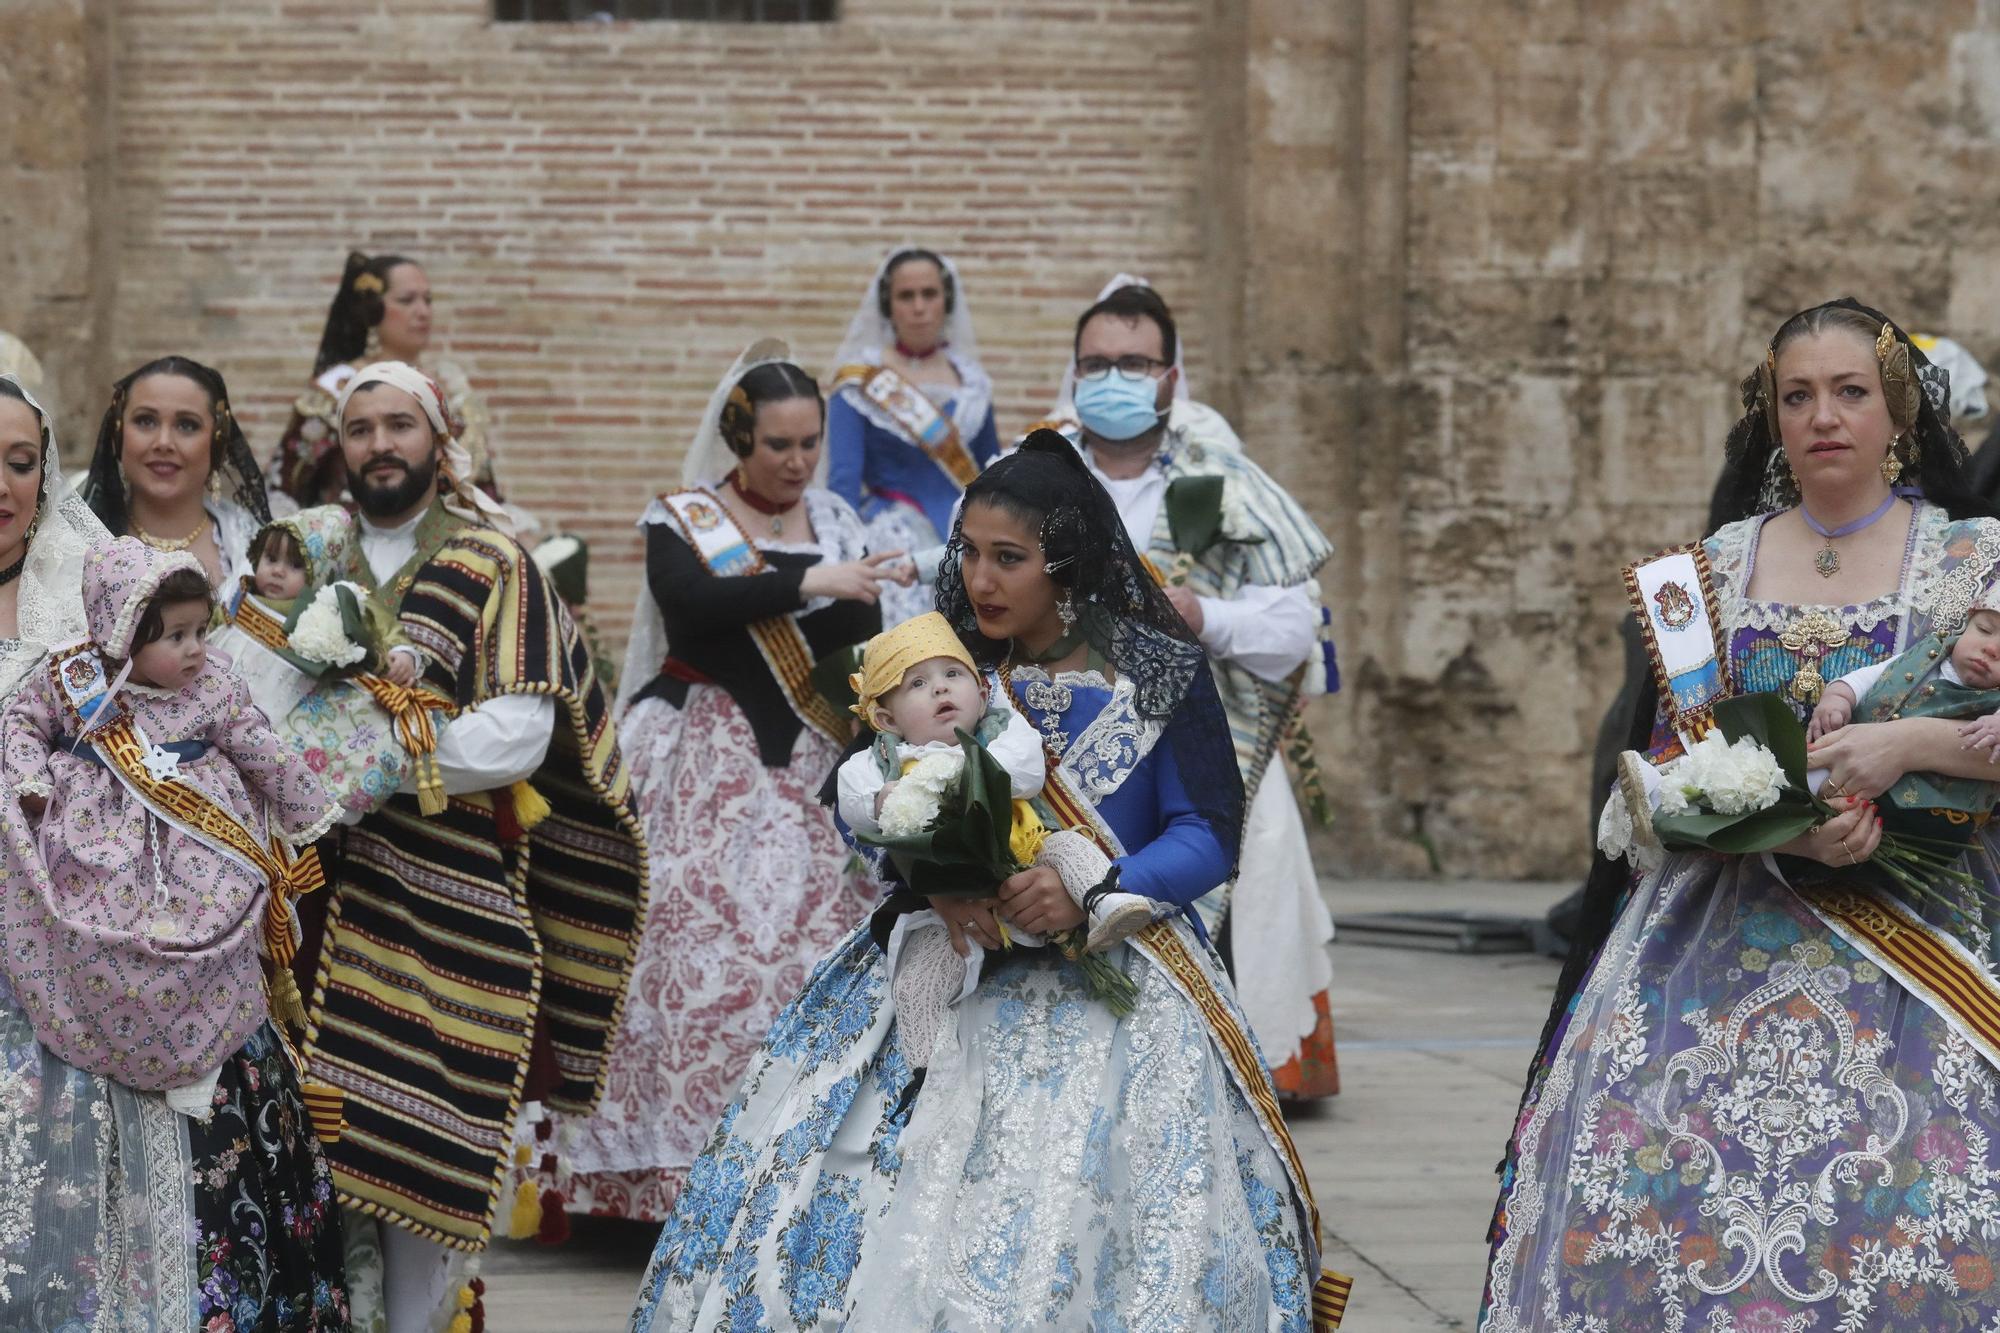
(1732, 555)
(170, 1198)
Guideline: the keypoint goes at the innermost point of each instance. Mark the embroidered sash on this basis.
(915, 415)
(1167, 948)
(1674, 596)
(723, 548)
(1942, 973)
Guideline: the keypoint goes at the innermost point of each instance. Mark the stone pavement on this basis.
(1433, 1048)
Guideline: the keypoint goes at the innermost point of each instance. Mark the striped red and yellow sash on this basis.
(259, 624)
(1168, 948)
(1942, 973)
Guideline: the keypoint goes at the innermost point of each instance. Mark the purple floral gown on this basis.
(1744, 1126)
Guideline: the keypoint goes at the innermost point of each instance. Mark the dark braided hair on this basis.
(357, 308)
(1121, 608)
(772, 382)
(1939, 469)
(103, 487)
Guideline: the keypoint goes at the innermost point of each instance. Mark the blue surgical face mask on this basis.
(1115, 408)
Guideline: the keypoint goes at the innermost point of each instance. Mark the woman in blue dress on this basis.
(1065, 1167)
(910, 417)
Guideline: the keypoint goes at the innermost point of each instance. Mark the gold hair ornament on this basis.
(368, 285)
(1899, 379)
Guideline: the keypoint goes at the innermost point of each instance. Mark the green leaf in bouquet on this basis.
(1766, 830)
(1194, 513)
(830, 675)
(1738, 834)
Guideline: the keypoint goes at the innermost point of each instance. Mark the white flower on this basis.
(1722, 778)
(320, 636)
(915, 801)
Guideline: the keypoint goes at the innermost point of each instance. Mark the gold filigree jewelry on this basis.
(171, 543)
(1811, 637)
(1892, 466)
(368, 284)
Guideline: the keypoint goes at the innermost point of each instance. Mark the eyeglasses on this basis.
(1133, 367)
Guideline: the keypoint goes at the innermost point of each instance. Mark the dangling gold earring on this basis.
(1892, 466)
(371, 349)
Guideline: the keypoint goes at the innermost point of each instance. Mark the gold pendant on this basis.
(1827, 561)
(1812, 636)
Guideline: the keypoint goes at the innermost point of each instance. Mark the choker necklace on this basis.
(1827, 561)
(1055, 652)
(171, 543)
(771, 508)
(13, 571)
(909, 353)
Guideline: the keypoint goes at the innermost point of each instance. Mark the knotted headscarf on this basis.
(893, 652)
(465, 500)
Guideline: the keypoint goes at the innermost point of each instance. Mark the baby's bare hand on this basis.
(402, 669)
(1831, 715)
(1982, 734)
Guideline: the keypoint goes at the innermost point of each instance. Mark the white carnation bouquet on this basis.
(915, 802)
(1742, 789)
(335, 633)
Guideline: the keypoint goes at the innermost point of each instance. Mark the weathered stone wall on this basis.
(1609, 207)
(1476, 280)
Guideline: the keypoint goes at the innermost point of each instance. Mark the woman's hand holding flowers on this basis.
(968, 918)
(1848, 838)
(1036, 901)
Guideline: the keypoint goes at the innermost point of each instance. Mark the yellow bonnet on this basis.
(890, 655)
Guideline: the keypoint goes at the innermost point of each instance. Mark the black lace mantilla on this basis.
(1122, 610)
(103, 487)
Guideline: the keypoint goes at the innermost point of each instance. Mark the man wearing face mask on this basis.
(1238, 557)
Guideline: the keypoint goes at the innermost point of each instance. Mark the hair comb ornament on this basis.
(367, 285)
(1767, 391)
(1899, 381)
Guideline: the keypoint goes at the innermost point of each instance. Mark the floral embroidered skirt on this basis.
(750, 886)
(1747, 1127)
(119, 1213)
(1060, 1168)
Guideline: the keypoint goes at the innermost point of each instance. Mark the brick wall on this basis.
(609, 213)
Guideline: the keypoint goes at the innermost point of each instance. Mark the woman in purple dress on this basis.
(1740, 1120)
